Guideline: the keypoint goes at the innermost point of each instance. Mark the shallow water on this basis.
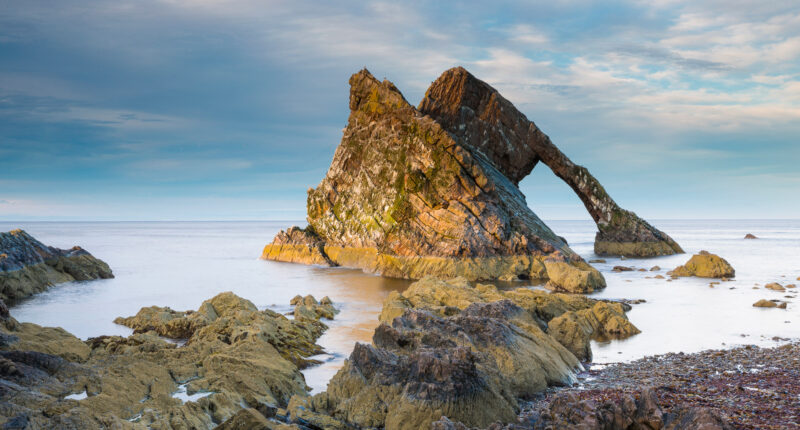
(180, 264)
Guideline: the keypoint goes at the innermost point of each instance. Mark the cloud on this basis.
(209, 94)
(660, 54)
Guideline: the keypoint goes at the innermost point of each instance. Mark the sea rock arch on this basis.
(433, 190)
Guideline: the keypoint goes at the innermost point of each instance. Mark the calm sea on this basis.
(180, 264)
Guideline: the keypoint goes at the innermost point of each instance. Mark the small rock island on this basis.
(28, 266)
(433, 191)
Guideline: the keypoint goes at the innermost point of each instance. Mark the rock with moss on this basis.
(602, 322)
(472, 366)
(309, 308)
(467, 352)
(232, 356)
(574, 321)
(404, 198)
(27, 266)
(705, 265)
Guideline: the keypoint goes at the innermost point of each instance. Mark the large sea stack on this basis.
(434, 191)
(28, 266)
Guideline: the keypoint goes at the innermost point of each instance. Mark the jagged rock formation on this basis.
(234, 357)
(446, 348)
(27, 266)
(477, 116)
(571, 320)
(434, 191)
(404, 199)
(472, 366)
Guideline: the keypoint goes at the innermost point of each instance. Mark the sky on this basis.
(231, 110)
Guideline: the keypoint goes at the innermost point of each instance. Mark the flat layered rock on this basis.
(27, 266)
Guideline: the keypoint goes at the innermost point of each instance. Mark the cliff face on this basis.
(404, 199)
(27, 266)
(478, 117)
(433, 191)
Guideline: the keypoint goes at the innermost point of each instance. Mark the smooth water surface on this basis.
(180, 264)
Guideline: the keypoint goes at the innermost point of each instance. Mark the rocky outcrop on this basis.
(408, 194)
(27, 266)
(750, 236)
(574, 321)
(477, 116)
(234, 356)
(472, 366)
(466, 352)
(309, 308)
(705, 265)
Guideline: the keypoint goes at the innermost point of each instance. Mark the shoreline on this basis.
(751, 387)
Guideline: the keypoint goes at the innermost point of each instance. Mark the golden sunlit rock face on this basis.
(705, 265)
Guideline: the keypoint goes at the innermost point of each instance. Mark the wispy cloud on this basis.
(213, 93)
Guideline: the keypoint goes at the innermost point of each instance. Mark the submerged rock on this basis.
(705, 265)
(27, 266)
(414, 192)
(234, 357)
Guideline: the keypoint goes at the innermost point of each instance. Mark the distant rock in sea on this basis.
(27, 266)
(434, 190)
(750, 236)
(705, 265)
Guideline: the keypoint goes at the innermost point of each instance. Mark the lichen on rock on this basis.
(233, 356)
(467, 352)
(571, 320)
(27, 266)
(433, 191)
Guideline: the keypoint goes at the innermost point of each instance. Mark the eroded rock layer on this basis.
(228, 356)
(446, 348)
(27, 266)
(478, 117)
(405, 199)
